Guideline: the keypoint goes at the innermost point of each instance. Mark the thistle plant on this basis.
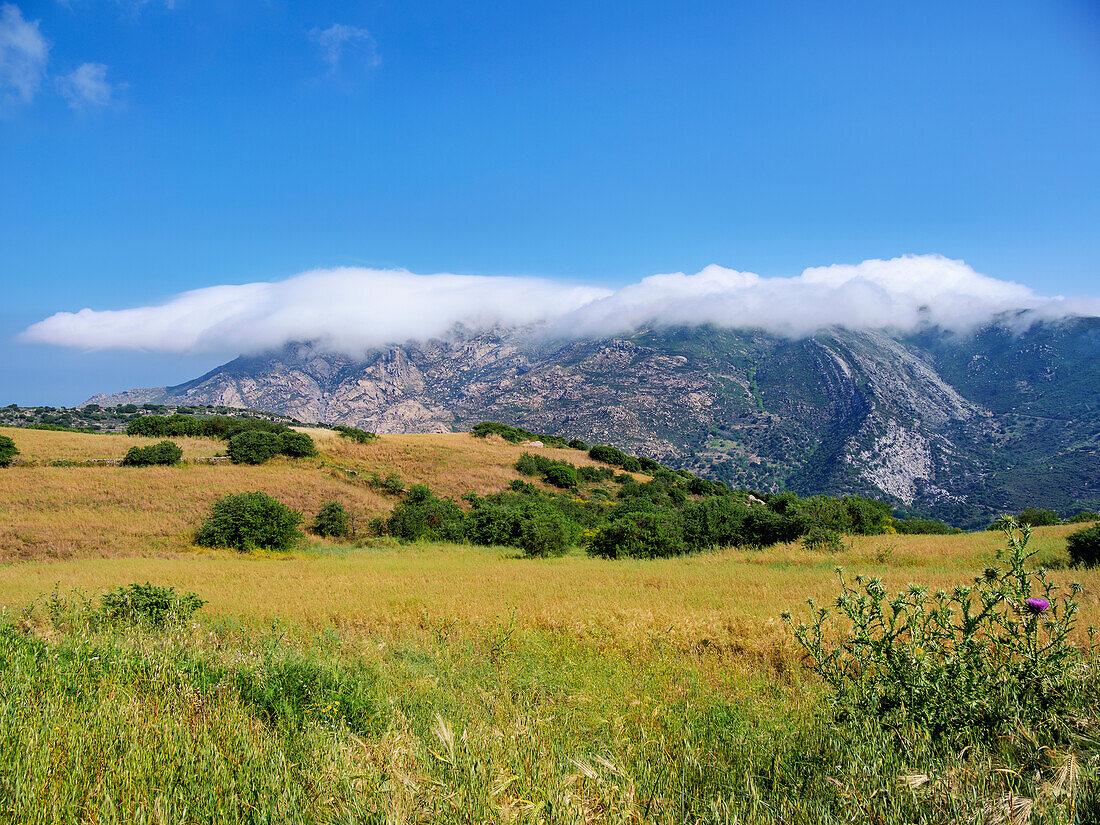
(959, 664)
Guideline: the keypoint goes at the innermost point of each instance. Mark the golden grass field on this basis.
(53, 445)
(93, 527)
(431, 683)
(61, 512)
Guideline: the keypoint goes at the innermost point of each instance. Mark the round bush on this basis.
(249, 521)
(7, 451)
(253, 447)
(331, 521)
(164, 453)
(297, 445)
(544, 533)
(560, 475)
(1084, 546)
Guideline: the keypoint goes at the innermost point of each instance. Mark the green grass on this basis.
(444, 718)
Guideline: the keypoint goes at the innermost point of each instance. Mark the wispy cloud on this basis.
(352, 309)
(24, 52)
(339, 41)
(87, 87)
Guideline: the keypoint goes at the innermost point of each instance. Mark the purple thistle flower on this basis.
(1037, 606)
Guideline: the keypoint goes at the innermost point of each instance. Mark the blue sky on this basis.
(160, 147)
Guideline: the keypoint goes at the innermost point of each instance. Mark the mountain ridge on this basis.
(959, 427)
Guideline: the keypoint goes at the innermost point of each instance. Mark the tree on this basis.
(1084, 546)
(253, 447)
(7, 451)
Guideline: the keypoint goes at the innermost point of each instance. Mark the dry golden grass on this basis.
(726, 601)
(452, 464)
(58, 512)
(52, 513)
(50, 445)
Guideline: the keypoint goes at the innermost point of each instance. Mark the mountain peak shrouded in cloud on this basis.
(351, 310)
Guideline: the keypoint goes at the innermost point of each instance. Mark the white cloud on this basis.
(24, 52)
(339, 40)
(87, 87)
(353, 309)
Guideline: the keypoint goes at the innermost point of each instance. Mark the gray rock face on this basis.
(924, 421)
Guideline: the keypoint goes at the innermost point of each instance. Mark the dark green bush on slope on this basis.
(297, 445)
(259, 446)
(331, 521)
(7, 451)
(253, 447)
(1084, 546)
(250, 521)
(423, 515)
(165, 453)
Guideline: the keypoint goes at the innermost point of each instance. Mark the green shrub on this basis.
(641, 534)
(253, 447)
(923, 526)
(393, 484)
(331, 521)
(822, 538)
(530, 464)
(148, 603)
(423, 515)
(543, 533)
(610, 455)
(1037, 518)
(715, 522)
(249, 521)
(560, 475)
(515, 434)
(1084, 517)
(297, 445)
(577, 444)
(1084, 546)
(987, 658)
(590, 473)
(355, 434)
(164, 453)
(8, 451)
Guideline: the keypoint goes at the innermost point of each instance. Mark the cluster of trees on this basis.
(221, 427)
(1039, 517)
(248, 440)
(517, 435)
(670, 515)
(256, 521)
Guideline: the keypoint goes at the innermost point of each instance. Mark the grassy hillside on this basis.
(442, 683)
(63, 511)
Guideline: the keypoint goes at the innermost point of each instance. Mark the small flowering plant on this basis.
(970, 662)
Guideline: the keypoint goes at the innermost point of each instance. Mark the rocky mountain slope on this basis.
(961, 428)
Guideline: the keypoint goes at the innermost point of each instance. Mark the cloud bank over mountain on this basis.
(354, 309)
